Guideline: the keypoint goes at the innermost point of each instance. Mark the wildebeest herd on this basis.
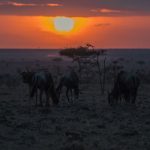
(125, 86)
(42, 81)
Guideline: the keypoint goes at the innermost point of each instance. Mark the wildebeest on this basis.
(125, 87)
(71, 82)
(41, 80)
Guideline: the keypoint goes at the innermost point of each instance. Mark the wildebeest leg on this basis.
(71, 95)
(120, 98)
(127, 98)
(74, 95)
(41, 94)
(134, 97)
(29, 94)
(47, 98)
(58, 90)
(36, 101)
(67, 91)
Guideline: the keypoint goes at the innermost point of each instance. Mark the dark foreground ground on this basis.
(88, 124)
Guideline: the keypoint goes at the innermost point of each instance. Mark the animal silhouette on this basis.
(71, 82)
(42, 81)
(126, 87)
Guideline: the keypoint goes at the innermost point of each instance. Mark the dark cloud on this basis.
(75, 7)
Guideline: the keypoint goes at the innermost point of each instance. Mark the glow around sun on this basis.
(63, 24)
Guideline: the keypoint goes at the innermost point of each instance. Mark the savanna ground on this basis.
(87, 124)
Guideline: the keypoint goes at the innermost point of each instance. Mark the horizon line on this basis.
(71, 47)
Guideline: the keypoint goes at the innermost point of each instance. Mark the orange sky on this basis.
(103, 32)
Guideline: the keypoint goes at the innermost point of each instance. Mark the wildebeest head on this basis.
(27, 76)
(62, 82)
(74, 82)
(52, 89)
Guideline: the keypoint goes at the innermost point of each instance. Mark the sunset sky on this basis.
(67, 23)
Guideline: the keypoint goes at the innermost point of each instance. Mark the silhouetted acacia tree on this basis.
(87, 54)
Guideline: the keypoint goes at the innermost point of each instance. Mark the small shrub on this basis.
(57, 59)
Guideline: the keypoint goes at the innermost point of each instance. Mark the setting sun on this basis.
(63, 24)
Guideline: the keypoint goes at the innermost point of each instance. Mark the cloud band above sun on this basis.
(17, 4)
(78, 8)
